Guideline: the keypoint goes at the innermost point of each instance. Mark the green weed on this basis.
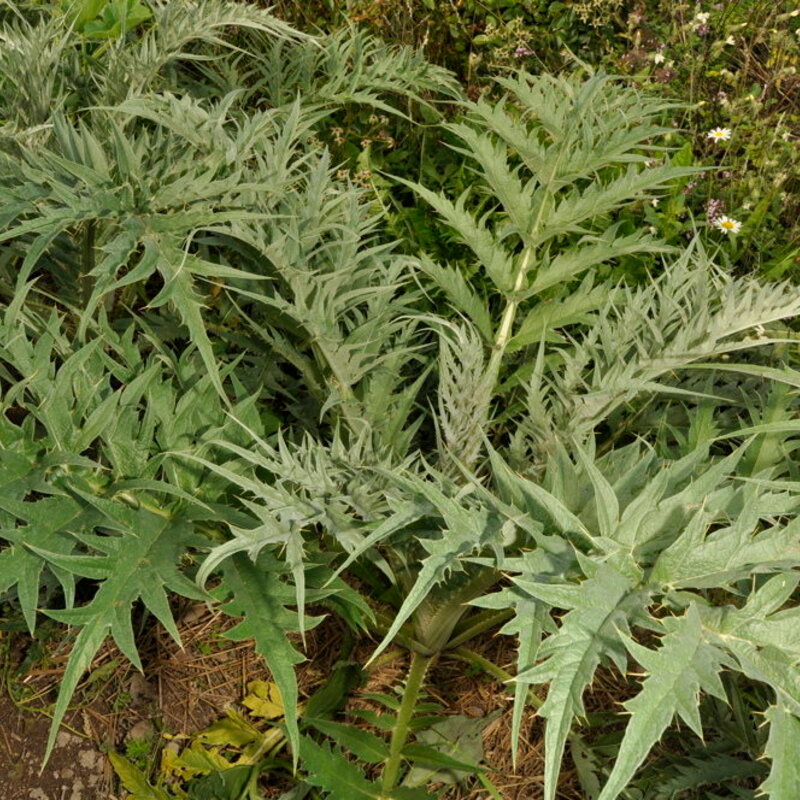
(224, 378)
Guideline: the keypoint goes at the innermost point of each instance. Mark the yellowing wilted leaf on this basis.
(264, 700)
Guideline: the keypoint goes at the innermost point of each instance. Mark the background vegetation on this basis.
(411, 317)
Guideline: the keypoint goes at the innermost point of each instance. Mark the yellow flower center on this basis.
(728, 225)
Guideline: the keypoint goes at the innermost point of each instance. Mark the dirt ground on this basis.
(187, 688)
(76, 771)
(184, 689)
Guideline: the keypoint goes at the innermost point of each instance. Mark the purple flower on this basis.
(703, 30)
(522, 52)
(714, 209)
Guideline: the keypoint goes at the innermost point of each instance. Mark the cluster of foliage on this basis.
(734, 64)
(222, 379)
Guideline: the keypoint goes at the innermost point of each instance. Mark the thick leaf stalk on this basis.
(416, 676)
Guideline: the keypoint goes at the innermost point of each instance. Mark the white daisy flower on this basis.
(719, 134)
(701, 18)
(727, 224)
(658, 58)
(731, 40)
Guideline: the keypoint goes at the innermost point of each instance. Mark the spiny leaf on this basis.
(546, 316)
(259, 597)
(459, 292)
(706, 769)
(474, 233)
(47, 520)
(138, 562)
(540, 504)
(763, 637)
(698, 560)
(782, 748)
(528, 625)
(465, 530)
(684, 665)
(601, 607)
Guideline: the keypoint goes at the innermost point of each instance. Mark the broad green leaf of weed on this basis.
(448, 751)
(365, 746)
(226, 784)
(330, 770)
(233, 730)
(342, 779)
(263, 699)
(134, 780)
(194, 760)
(334, 692)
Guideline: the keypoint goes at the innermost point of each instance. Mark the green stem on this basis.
(385, 658)
(481, 623)
(507, 323)
(490, 668)
(506, 328)
(437, 616)
(416, 675)
(382, 625)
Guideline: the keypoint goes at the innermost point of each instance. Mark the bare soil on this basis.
(186, 688)
(76, 771)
